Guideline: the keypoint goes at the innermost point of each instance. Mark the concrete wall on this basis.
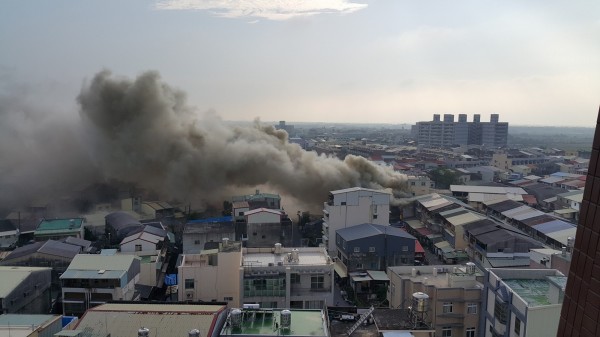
(358, 209)
(130, 246)
(212, 282)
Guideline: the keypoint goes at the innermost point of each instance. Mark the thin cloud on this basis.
(264, 9)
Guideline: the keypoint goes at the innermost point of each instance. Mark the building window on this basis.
(374, 216)
(138, 248)
(371, 249)
(295, 278)
(500, 311)
(447, 331)
(189, 283)
(412, 183)
(423, 183)
(405, 248)
(227, 298)
(470, 332)
(357, 249)
(517, 326)
(343, 203)
(196, 242)
(317, 282)
(447, 308)
(471, 308)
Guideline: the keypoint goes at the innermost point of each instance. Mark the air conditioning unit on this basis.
(189, 295)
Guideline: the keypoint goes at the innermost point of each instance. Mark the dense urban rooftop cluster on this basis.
(477, 244)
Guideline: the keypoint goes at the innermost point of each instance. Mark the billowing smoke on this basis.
(142, 132)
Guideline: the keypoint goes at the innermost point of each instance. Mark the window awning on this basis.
(340, 269)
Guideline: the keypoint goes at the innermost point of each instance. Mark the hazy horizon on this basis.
(350, 61)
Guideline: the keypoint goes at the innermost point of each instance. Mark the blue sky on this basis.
(394, 61)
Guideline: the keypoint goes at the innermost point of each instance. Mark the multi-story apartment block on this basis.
(420, 185)
(353, 206)
(374, 247)
(94, 279)
(212, 275)
(274, 277)
(24, 289)
(454, 293)
(447, 132)
(523, 302)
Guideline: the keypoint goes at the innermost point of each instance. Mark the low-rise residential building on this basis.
(492, 244)
(280, 277)
(420, 185)
(259, 200)
(523, 302)
(543, 227)
(203, 234)
(265, 226)
(157, 210)
(91, 280)
(129, 319)
(9, 235)
(353, 206)
(21, 325)
(374, 247)
(54, 254)
(212, 275)
(24, 289)
(119, 225)
(149, 239)
(275, 322)
(57, 229)
(453, 293)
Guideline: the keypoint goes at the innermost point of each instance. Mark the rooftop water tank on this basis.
(286, 319)
(420, 302)
(236, 318)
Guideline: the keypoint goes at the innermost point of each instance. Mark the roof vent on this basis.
(101, 271)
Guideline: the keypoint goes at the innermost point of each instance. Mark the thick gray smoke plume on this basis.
(142, 132)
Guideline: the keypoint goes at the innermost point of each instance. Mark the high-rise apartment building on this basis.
(447, 132)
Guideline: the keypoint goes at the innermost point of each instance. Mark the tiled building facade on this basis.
(580, 314)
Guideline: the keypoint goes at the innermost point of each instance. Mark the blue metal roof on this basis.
(553, 226)
(212, 220)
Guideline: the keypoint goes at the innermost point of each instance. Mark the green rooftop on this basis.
(267, 322)
(533, 291)
(56, 226)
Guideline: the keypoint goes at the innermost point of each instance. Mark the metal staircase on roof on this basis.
(362, 318)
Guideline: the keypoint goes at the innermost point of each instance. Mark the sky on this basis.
(355, 61)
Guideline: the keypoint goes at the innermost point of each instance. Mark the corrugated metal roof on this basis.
(101, 262)
(528, 214)
(162, 320)
(354, 189)
(501, 206)
(464, 219)
(553, 226)
(13, 276)
(517, 210)
(263, 210)
(366, 230)
(60, 224)
(378, 275)
(563, 235)
(486, 189)
(92, 274)
(414, 224)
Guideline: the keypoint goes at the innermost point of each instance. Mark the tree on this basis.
(443, 177)
(227, 208)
